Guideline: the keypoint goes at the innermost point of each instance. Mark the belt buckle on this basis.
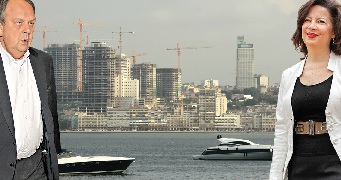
(323, 126)
(320, 127)
(311, 124)
(299, 127)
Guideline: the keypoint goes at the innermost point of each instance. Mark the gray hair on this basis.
(3, 5)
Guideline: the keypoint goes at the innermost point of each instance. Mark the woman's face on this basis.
(317, 29)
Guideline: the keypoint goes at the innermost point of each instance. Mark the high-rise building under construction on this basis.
(146, 74)
(98, 71)
(168, 83)
(65, 61)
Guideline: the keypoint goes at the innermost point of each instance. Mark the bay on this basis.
(161, 155)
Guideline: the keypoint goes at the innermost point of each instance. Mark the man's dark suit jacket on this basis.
(43, 71)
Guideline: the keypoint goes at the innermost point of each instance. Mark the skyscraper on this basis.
(65, 59)
(245, 64)
(124, 91)
(168, 83)
(146, 74)
(97, 76)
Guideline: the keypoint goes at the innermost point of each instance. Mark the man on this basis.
(27, 98)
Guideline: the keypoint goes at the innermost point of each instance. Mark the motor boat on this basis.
(236, 149)
(71, 163)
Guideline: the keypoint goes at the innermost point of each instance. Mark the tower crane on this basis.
(178, 49)
(44, 35)
(80, 64)
(134, 56)
(119, 61)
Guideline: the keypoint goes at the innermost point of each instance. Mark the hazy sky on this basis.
(161, 24)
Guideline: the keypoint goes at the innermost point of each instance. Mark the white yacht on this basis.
(70, 163)
(236, 149)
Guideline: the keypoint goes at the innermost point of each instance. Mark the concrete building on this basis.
(262, 82)
(66, 70)
(210, 83)
(182, 122)
(220, 103)
(91, 122)
(98, 72)
(268, 122)
(227, 122)
(146, 74)
(207, 108)
(168, 83)
(212, 103)
(245, 64)
(118, 119)
(124, 62)
(124, 90)
(264, 122)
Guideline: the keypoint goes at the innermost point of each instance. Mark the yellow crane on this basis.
(80, 76)
(119, 61)
(178, 49)
(44, 35)
(134, 56)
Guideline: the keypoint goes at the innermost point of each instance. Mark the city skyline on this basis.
(159, 25)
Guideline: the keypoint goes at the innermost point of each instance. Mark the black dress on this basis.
(314, 156)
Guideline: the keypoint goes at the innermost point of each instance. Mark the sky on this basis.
(210, 26)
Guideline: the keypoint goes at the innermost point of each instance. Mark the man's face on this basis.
(17, 31)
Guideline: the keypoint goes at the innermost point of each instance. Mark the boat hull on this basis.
(236, 149)
(80, 165)
(236, 156)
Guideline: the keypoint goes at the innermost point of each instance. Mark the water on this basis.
(166, 155)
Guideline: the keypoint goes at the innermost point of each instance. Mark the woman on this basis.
(307, 142)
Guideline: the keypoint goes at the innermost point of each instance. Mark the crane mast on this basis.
(119, 94)
(178, 49)
(44, 35)
(80, 63)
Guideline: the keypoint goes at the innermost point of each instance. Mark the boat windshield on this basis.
(233, 143)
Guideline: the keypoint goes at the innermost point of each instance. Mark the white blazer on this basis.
(283, 142)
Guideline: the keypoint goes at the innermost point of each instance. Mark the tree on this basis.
(251, 91)
(227, 94)
(268, 98)
(250, 102)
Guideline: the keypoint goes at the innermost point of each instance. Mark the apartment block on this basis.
(124, 90)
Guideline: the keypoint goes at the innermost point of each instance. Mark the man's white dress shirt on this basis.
(25, 102)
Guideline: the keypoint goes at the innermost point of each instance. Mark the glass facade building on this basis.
(245, 65)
